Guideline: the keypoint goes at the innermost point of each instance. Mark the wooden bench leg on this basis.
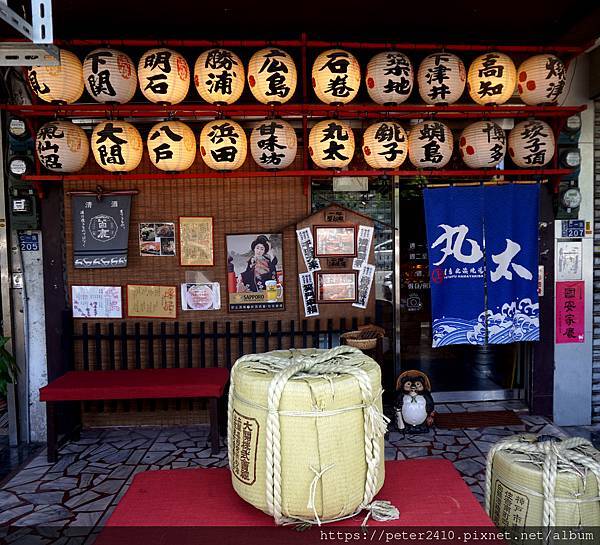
(52, 432)
(213, 407)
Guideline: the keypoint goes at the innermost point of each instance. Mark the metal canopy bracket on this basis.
(39, 51)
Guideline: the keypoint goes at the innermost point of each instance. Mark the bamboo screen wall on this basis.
(240, 205)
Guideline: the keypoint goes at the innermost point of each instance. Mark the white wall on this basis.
(573, 362)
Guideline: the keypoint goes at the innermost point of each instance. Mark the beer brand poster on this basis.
(151, 301)
(255, 272)
(570, 312)
(196, 241)
(100, 230)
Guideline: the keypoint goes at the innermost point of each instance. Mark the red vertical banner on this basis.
(570, 312)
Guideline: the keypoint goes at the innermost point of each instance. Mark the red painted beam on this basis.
(360, 111)
(322, 173)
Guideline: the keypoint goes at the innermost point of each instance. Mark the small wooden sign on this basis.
(336, 263)
(335, 216)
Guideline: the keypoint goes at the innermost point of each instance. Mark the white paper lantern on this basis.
(273, 144)
(171, 146)
(331, 143)
(385, 145)
(223, 145)
(441, 78)
(272, 76)
(389, 77)
(541, 80)
(336, 76)
(531, 143)
(109, 76)
(62, 146)
(117, 146)
(219, 76)
(164, 76)
(492, 78)
(58, 84)
(430, 145)
(482, 144)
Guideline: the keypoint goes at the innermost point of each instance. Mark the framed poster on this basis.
(196, 242)
(255, 272)
(338, 241)
(157, 239)
(96, 302)
(201, 296)
(144, 301)
(336, 287)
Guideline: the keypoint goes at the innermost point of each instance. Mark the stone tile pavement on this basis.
(63, 502)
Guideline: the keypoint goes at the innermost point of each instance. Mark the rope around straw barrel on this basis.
(552, 453)
(338, 361)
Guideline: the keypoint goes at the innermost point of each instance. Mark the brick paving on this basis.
(67, 501)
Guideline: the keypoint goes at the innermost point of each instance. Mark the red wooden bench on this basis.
(208, 383)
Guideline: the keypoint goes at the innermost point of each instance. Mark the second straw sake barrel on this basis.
(322, 434)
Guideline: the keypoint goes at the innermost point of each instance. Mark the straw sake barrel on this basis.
(543, 483)
(321, 412)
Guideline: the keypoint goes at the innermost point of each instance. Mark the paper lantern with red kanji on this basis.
(385, 145)
(531, 144)
(164, 76)
(62, 84)
(336, 76)
(109, 76)
(171, 146)
(219, 76)
(541, 80)
(441, 78)
(482, 144)
(62, 146)
(223, 145)
(117, 146)
(389, 77)
(430, 145)
(273, 144)
(331, 143)
(272, 76)
(491, 78)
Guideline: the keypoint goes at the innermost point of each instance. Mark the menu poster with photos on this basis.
(201, 296)
(100, 230)
(145, 301)
(336, 287)
(338, 241)
(365, 236)
(196, 241)
(365, 280)
(96, 302)
(157, 239)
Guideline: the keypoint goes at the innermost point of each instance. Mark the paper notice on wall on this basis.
(365, 236)
(307, 246)
(200, 296)
(365, 279)
(96, 302)
(570, 312)
(569, 260)
(307, 288)
(151, 301)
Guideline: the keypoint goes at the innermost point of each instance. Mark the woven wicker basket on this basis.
(357, 340)
(322, 428)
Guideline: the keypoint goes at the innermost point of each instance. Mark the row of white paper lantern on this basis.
(117, 146)
(110, 76)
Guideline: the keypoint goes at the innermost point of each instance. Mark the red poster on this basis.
(570, 312)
